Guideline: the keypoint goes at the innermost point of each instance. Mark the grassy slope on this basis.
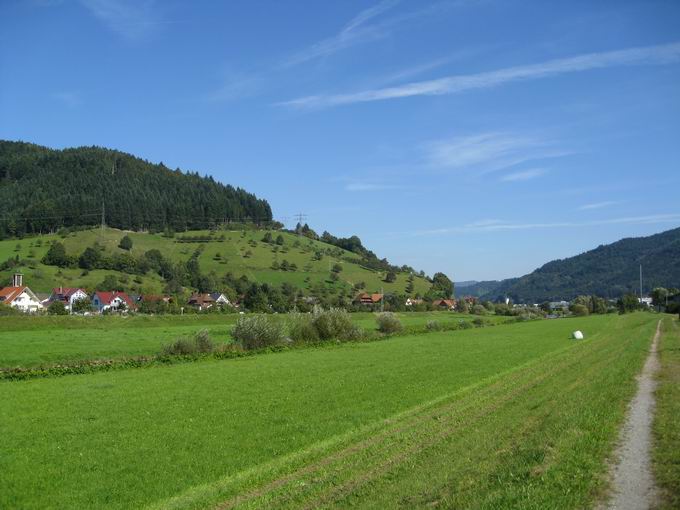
(30, 341)
(136, 437)
(232, 249)
(666, 422)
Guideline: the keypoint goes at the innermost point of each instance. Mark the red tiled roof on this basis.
(9, 294)
(107, 297)
(67, 292)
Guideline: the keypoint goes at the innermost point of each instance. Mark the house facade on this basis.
(67, 295)
(112, 301)
(368, 299)
(19, 296)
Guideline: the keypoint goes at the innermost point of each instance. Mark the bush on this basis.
(335, 323)
(465, 325)
(479, 310)
(579, 310)
(257, 332)
(201, 343)
(388, 323)
(301, 328)
(478, 322)
(57, 308)
(433, 326)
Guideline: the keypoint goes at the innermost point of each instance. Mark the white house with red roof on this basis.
(67, 295)
(19, 296)
(112, 301)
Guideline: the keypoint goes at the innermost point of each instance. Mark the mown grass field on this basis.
(31, 341)
(666, 455)
(232, 250)
(518, 416)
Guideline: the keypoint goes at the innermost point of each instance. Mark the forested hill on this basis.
(43, 189)
(607, 271)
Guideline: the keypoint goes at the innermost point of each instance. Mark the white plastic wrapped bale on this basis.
(577, 335)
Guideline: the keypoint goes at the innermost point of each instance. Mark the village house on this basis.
(151, 298)
(413, 302)
(201, 301)
(368, 299)
(19, 296)
(67, 296)
(444, 304)
(112, 301)
(220, 299)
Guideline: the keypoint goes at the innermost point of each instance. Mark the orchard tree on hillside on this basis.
(125, 243)
(442, 286)
(56, 255)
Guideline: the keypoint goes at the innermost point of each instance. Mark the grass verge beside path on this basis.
(666, 453)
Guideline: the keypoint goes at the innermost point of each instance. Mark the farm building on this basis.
(67, 295)
(19, 296)
(201, 301)
(444, 304)
(112, 301)
(368, 299)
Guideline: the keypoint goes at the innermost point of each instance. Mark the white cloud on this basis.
(523, 175)
(660, 54)
(356, 31)
(500, 225)
(489, 152)
(130, 19)
(596, 205)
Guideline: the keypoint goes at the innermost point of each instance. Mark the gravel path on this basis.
(632, 480)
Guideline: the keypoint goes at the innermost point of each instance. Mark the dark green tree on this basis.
(125, 243)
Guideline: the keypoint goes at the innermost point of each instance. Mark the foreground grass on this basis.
(666, 453)
(31, 341)
(493, 417)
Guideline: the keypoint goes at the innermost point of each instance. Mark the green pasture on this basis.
(232, 252)
(518, 416)
(30, 341)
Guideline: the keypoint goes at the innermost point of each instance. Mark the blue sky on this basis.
(479, 138)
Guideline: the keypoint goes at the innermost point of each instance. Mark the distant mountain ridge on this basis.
(43, 189)
(607, 271)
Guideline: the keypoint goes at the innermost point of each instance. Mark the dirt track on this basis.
(633, 486)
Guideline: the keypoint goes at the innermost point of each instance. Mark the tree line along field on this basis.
(515, 416)
(240, 252)
(32, 341)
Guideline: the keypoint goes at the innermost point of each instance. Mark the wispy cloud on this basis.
(68, 98)
(649, 55)
(597, 205)
(500, 225)
(358, 30)
(489, 152)
(130, 19)
(524, 175)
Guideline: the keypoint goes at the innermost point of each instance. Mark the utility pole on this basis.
(300, 217)
(382, 300)
(640, 283)
(103, 218)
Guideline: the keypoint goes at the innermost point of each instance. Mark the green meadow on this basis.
(31, 341)
(240, 252)
(514, 416)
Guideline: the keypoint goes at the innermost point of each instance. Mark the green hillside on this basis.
(240, 252)
(42, 190)
(608, 271)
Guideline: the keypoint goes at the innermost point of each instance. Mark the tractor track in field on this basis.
(495, 396)
(633, 485)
